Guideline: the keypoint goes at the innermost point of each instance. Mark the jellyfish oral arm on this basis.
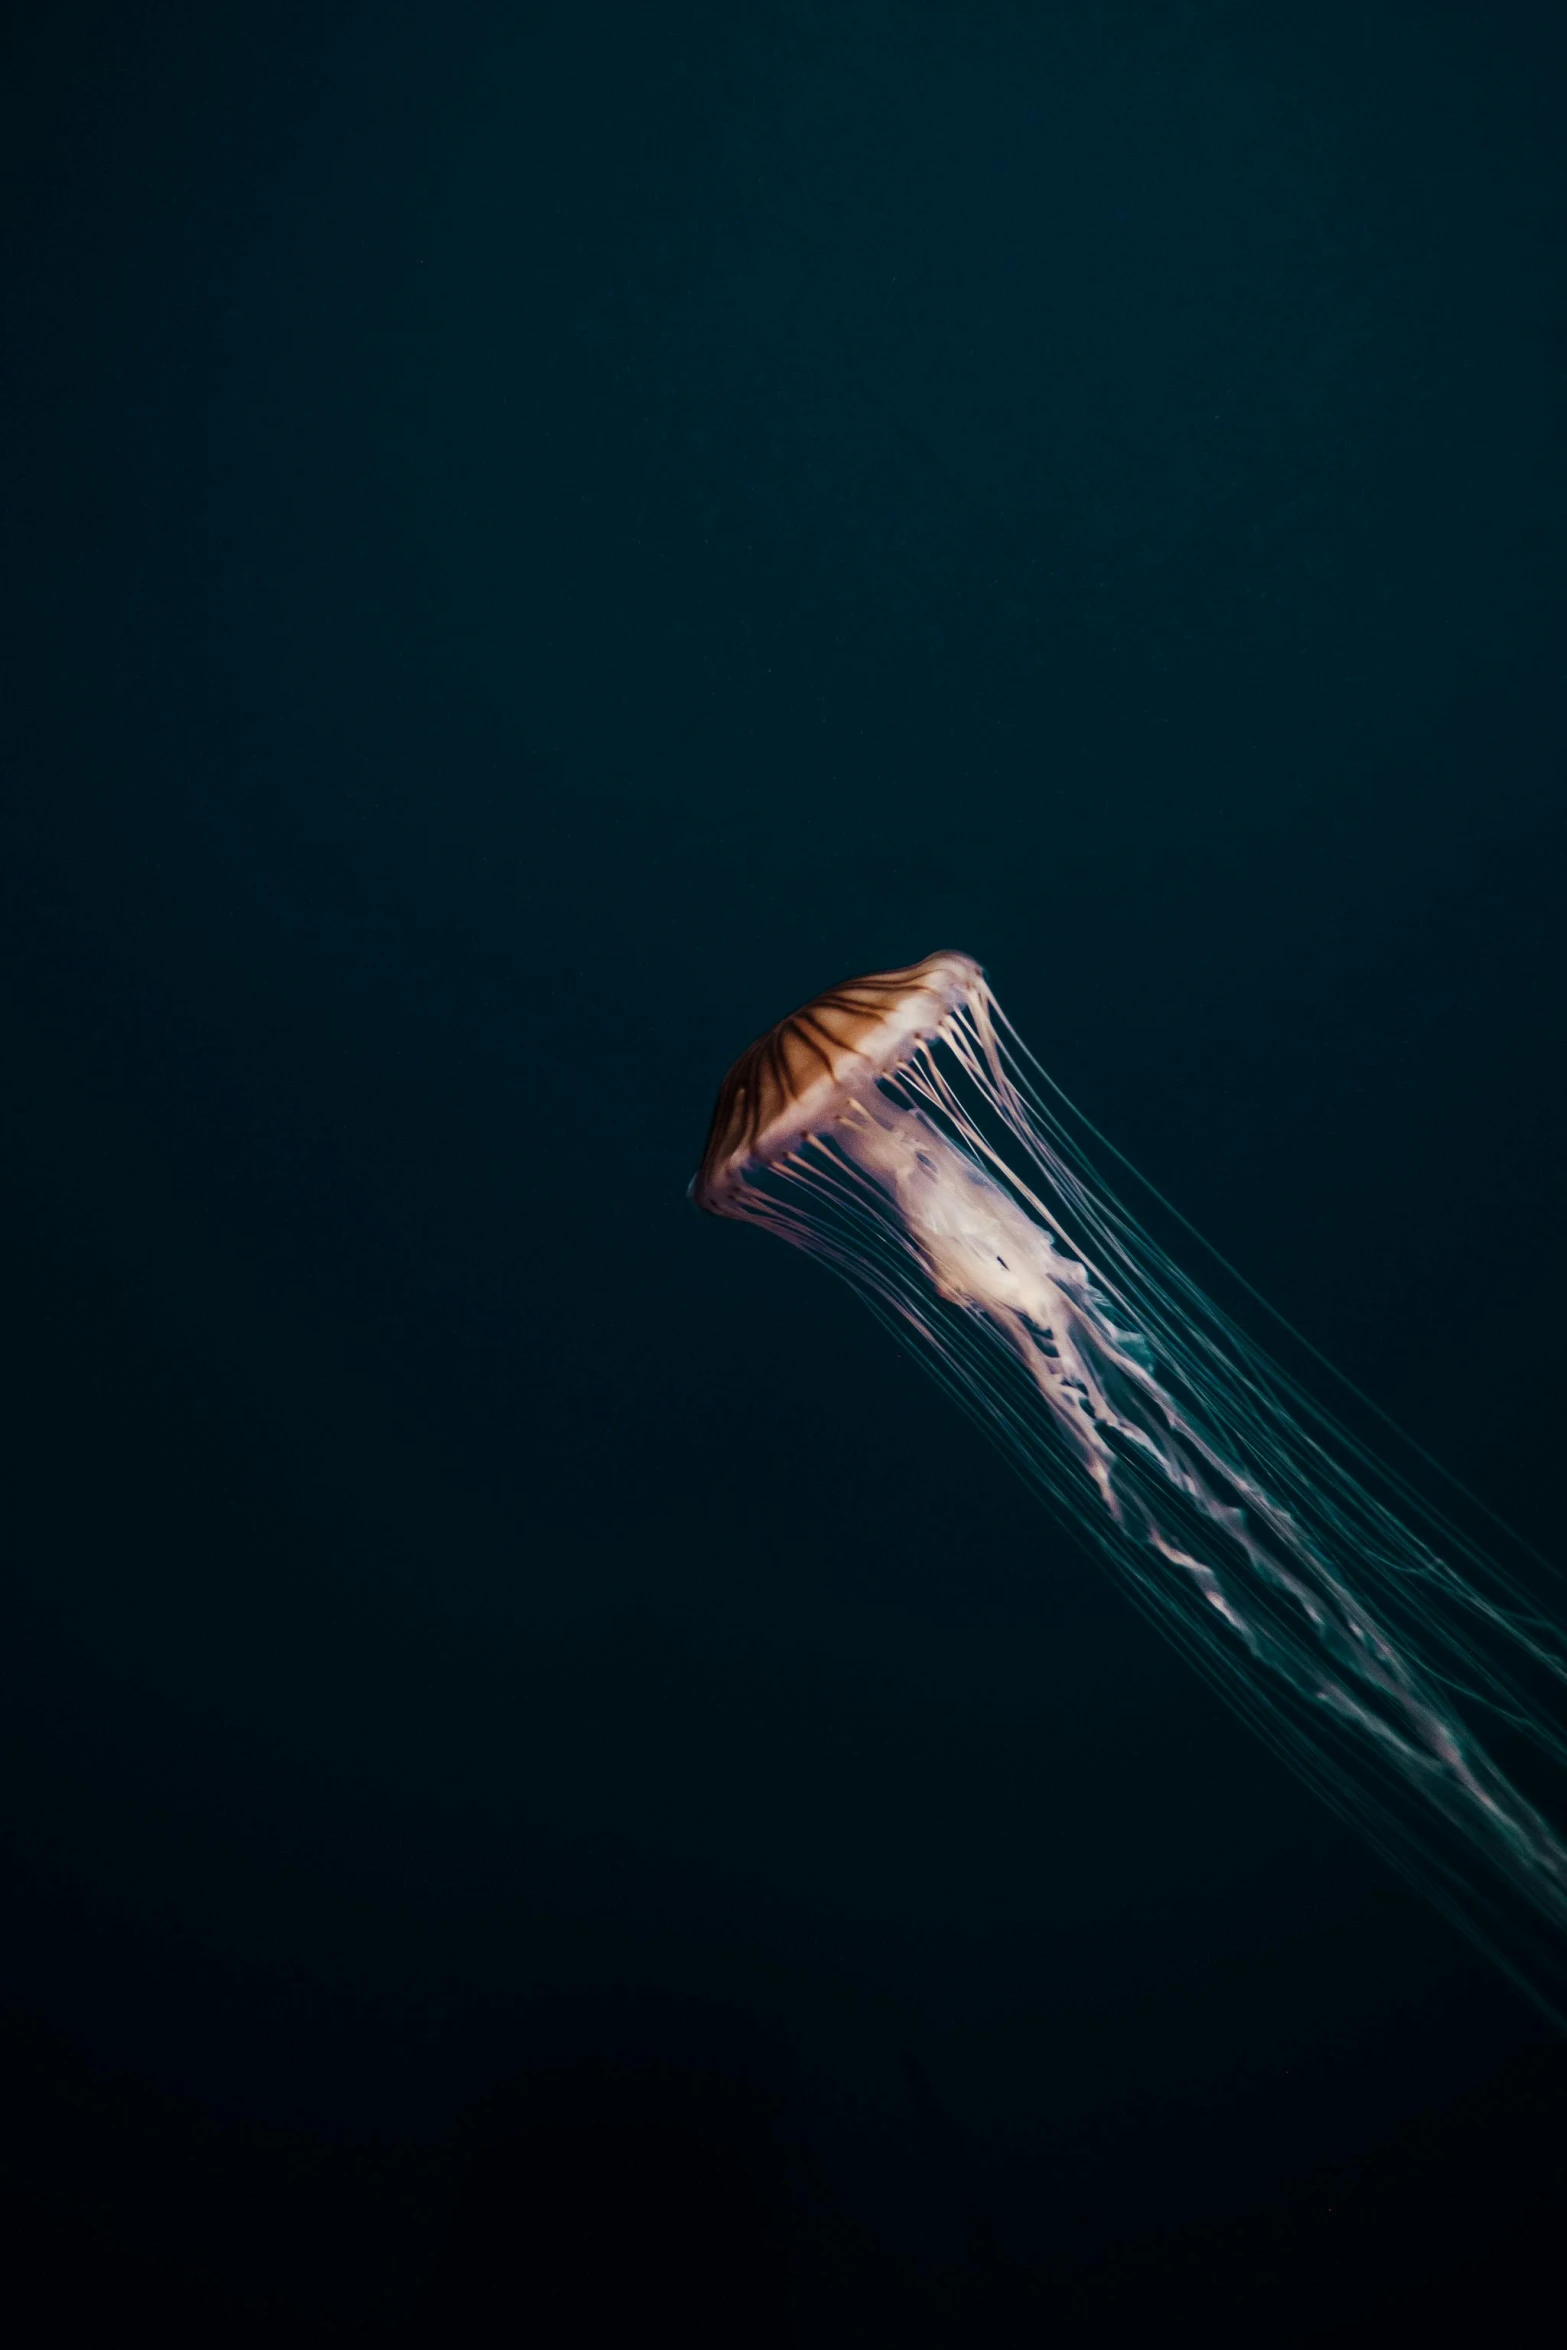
(984, 1254)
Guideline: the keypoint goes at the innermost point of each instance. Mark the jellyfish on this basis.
(898, 1129)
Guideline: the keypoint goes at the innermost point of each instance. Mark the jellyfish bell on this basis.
(897, 1128)
(808, 1071)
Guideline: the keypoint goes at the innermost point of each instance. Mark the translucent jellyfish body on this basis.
(896, 1128)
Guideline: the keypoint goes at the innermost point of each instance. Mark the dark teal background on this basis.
(550, 1781)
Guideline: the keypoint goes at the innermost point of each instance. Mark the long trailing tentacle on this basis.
(1335, 1605)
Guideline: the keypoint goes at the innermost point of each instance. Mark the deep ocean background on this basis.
(550, 1782)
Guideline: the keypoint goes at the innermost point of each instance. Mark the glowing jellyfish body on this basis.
(891, 1128)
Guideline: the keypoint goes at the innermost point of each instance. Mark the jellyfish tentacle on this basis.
(898, 1129)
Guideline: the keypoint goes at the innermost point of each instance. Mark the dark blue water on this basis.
(551, 1780)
